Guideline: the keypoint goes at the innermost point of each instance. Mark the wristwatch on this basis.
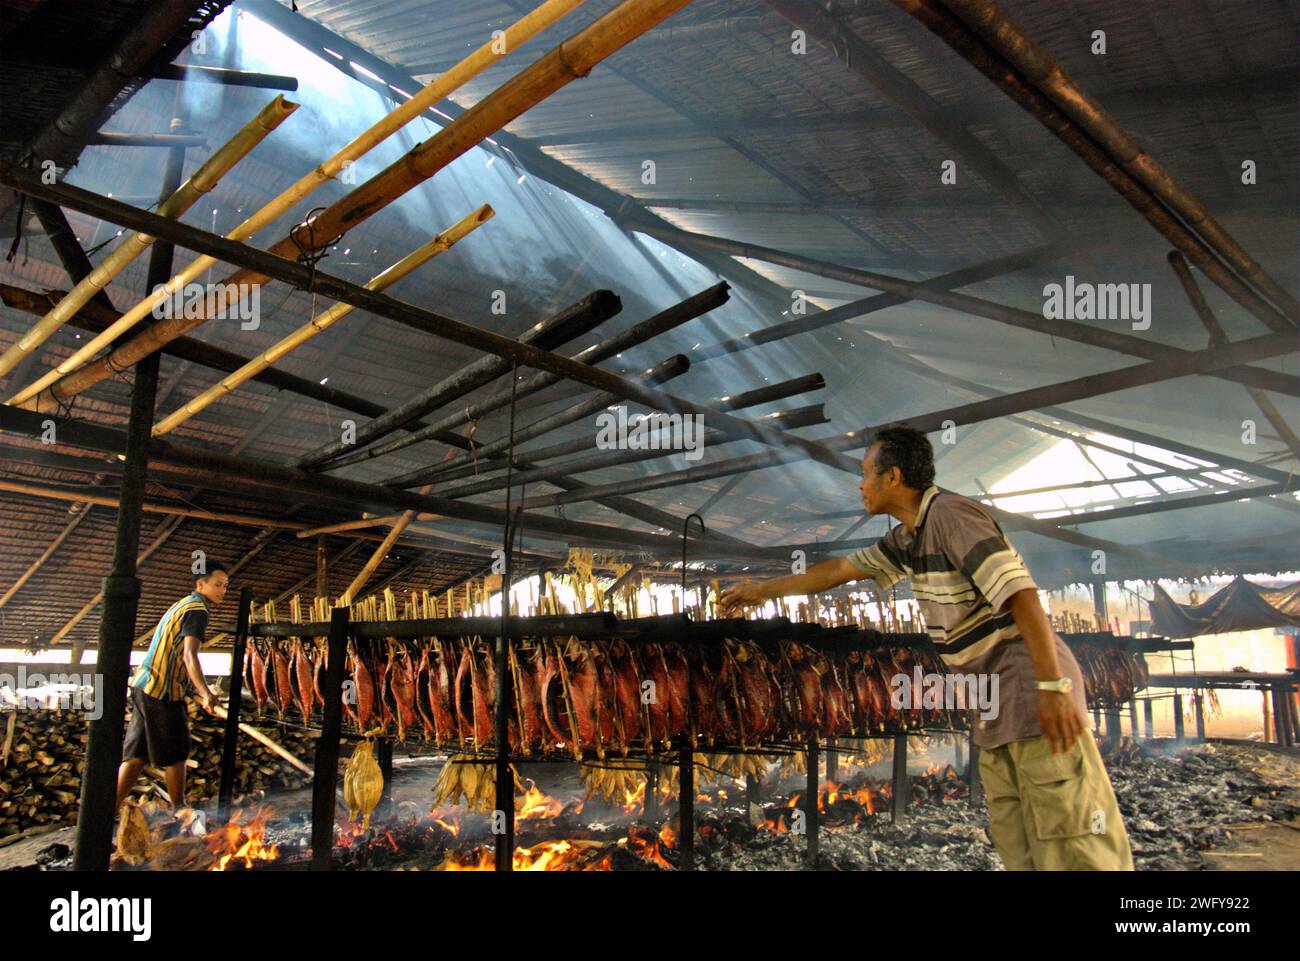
(1062, 685)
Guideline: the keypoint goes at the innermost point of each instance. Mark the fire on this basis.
(545, 856)
(451, 824)
(242, 843)
(536, 804)
(634, 801)
(645, 845)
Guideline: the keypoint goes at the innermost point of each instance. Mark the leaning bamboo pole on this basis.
(54, 545)
(317, 325)
(79, 647)
(1042, 70)
(573, 58)
(402, 522)
(79, 497)
(134, 244)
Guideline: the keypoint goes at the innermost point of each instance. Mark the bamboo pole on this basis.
(1219, 336)
(54, 545)
(573, 58)
(134, 244)
(440, 243)
(74, 496)
(1042, 70)
(274, 746)
(402, 522)
(661, 322)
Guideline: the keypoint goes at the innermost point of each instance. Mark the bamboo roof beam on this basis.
(136, 47)
(572, 59)
(1043, 71)
(383, 77)
(640, 333)
(1219, 336)
(268, 264)
(1092, 134)
(831, 32)
(210, 172)
(1068, 330)
(94, 318)
(440, 243)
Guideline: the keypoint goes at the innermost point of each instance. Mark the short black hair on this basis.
(210, 568)
(909, 450)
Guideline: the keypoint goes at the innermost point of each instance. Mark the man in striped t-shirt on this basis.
(1051, 806)
(159, 731)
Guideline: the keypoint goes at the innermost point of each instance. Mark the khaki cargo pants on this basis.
(1053, 812)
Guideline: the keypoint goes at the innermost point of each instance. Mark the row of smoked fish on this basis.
(588, 697)
(595, 696)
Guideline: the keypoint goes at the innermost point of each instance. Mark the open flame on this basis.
(536, 804)
(243, 843)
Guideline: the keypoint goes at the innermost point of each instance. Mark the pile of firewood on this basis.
(40, 772)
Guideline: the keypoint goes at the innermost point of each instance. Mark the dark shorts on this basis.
(159, 731)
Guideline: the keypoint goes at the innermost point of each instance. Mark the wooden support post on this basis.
(230, 742)
(1133, 717)
(1199, 701)
(651, 805)
(1113, 730)
(1178, 717)
(121, 593)
(385, 759)
(1281, 717)
(327, 747)
(902, 785)
(322, 568)
(811, 796)
(686, 807)
(1148, 719)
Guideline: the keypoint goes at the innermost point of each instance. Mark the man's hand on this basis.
(209, 702)
(1060, 720)
(736, 598)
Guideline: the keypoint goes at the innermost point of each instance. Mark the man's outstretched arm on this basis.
(822, 576)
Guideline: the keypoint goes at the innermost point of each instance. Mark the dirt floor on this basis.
(1259, 845)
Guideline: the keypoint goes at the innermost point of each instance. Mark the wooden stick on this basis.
(271, 745)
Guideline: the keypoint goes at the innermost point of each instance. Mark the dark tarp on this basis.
(1241, 606)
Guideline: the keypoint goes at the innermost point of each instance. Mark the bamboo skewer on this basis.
(573, 58)
(442, 242)
(132, 246)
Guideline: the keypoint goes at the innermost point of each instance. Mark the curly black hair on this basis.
(909, 450)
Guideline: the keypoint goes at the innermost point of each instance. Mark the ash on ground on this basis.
(1176, 805)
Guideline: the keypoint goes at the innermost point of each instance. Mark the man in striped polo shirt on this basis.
(1051, 806)
(159, 731)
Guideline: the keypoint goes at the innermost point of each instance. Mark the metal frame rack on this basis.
(678, 627)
